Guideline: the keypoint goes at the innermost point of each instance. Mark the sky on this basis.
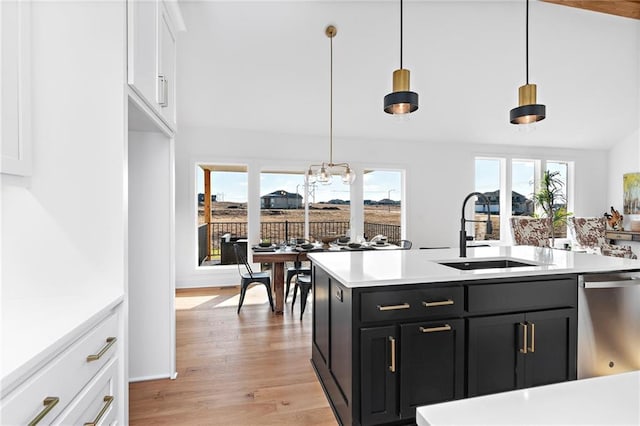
(232, 186)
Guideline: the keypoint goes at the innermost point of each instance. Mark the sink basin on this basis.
(486, 264)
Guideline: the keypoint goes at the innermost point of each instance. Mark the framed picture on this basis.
(631, 193)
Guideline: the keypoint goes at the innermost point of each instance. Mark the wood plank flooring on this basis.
(245, 369)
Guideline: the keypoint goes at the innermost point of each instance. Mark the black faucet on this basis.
(463, 232)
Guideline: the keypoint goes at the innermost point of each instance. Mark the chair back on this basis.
(241, 259)
(530, 231)
(589, 231)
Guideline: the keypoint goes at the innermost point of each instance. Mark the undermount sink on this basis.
(485, 264)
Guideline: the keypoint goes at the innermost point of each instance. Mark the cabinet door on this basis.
(379, 369)
(551, 347)
(142, 23)
(320, 313)
(495, 362)
(432, 363)
(165, 95)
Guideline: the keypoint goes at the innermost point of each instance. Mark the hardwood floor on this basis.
(245, 369)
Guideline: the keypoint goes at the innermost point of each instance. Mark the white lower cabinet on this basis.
(70, 384)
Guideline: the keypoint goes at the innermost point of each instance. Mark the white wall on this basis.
(438, 176)
(63, 228)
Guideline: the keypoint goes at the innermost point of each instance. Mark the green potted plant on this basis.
(552, 202)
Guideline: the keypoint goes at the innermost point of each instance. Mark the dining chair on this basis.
(590, 232)
(530, 231)
(304, 283)
(248, 277)
(294, 271)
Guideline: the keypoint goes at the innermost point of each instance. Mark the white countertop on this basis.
(35, 329)
(608, 400)
(390, 267)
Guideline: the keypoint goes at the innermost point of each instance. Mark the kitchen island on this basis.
(393, 331)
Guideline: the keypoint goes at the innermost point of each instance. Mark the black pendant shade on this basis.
(402, 100)
(527, 114)
(527, 111)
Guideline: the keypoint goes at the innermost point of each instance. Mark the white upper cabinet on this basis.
(166, 91)
(152, 55)
(15, 49)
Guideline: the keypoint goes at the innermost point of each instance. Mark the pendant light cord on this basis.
(527, 41)
(400, 34)
(331, 104)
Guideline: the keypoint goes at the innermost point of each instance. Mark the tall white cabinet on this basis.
(151, 128)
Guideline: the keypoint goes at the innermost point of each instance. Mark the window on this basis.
(382, 198)
(560, 170)
(522, 187)
(525, 180)
(487, 183)
(222, 212)
(281, 206)
(329, 209)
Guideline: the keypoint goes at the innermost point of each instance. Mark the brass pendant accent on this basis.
(401, 80)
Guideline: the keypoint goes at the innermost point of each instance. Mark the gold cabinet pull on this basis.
(532, 348)
(445, 327)
(524, 340)
(438, 303)
(108, 399)
(49, 402)
(393, 307)
(392, 342)
(95, 357)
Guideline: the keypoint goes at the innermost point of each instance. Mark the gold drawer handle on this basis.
(439, 303)
(49, 402)
(532, 348)
(108, 399)
(445, 327)
(393, 307)
(392, 342)
(95, 357)
(523, 350)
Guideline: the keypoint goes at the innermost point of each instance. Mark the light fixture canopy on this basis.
(527, 111)
(402, 100)
(324, 171)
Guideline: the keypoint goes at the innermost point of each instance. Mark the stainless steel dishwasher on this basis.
(608, 323)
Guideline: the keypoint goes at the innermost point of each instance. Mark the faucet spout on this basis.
(463, 221)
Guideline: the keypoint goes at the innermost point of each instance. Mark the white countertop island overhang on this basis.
(395, 267)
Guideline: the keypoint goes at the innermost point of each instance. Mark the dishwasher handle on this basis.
(609, 280)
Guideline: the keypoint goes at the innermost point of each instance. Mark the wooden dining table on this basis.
(278, 258)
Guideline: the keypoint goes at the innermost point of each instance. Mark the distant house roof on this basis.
(281, 193)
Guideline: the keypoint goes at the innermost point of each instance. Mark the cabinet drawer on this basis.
(514, 297)
(419, 303)
(97, 402)
(63, 377)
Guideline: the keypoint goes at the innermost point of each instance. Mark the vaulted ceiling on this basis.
(264, 66)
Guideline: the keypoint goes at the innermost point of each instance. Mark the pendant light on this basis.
(528, 111)
(401, 100)
(323, 172)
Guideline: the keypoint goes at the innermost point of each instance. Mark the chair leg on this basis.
(295, 293)
(304, 292)
(288, 286)
(243, 292)
(268, 286)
